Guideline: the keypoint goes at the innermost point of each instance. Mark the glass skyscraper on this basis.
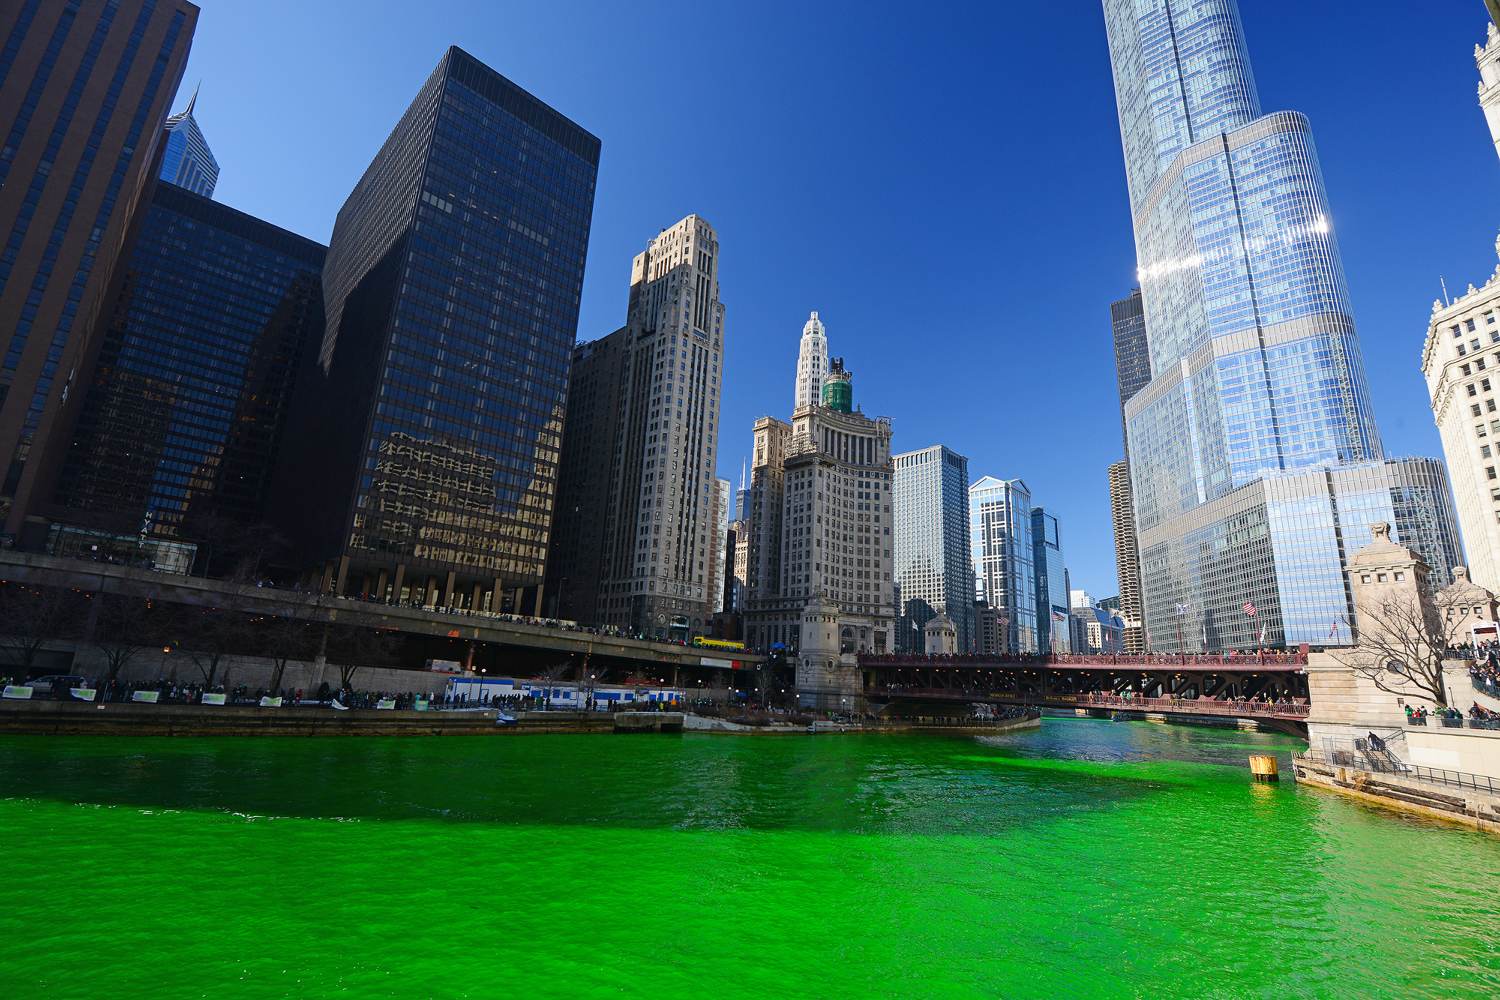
(1255, 367)
(184, 416)
(934, 571)
(433, 416)
(1001, 547)
(1053, 633)
(186, 159)
(83, 93)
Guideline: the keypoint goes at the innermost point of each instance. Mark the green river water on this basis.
(1084, 859)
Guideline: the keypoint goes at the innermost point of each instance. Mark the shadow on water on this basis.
(877, 784)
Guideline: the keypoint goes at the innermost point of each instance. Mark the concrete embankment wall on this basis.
(1468, 806)
(61, 718)
(150, 665)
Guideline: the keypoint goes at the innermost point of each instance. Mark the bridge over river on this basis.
(1270, 686)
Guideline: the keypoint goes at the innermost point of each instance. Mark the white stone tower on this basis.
(1487, 58)
(812, 363)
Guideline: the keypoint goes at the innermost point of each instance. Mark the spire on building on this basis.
(187, 161)
(812, 363)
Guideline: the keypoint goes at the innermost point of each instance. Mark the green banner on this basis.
(386, 703)
(84, 694)
(17, 692)
(149, 697)
(214, 698)
(420, 705)
(270, 703)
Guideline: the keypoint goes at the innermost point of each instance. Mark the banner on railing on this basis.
(420, 704)
(386, 703)
(149, 697)
(17, 692)
(215, 698)
(84, 694)
(270, 702)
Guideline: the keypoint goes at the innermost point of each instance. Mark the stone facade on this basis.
(1461, 363)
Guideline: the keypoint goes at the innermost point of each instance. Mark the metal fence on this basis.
(1432, 775)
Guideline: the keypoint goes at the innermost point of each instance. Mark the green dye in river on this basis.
(1084, 859)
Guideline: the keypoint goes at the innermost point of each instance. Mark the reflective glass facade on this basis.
(1255, 365)
(186, 159)
(185, 413)
(83, 93)
(451, 293)
(1052, 628)
(1000, 544)
(934, 570)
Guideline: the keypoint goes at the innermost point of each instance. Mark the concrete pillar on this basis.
(400, 579)
(469, 658)
(496, 594)
(430, 596)
(515, 600)
(474, 597)
(381, 580)
(326, 581)
(538, 612)
(448, 590)
(343, 577)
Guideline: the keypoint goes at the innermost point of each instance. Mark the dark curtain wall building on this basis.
(432, 425)
(84, 86)
(184, 417)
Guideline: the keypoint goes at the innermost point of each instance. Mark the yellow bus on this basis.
(706, 643)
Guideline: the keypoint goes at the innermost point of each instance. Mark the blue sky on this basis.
(943, 183)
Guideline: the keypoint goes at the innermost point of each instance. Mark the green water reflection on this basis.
(1084, 859)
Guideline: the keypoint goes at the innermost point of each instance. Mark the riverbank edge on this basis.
(1472, 809)
(58, 718)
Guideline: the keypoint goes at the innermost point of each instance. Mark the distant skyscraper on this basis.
(1001, 547)
(432, 419)
(186, 159)
(934, 574)
(820, 554)
(1132, 354)
(83, 92)
(184, 417)
(812, 364)
(1051, 584)
(720, 564)
(1256, 368)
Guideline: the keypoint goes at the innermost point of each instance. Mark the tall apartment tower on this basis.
(659, 526)
(820, 561)
(1461, 363)
(186, 160)
(1127, 557)
(185, 416)
(720, 548)
(1001, 546)
(812, 363)
(84, 86)
(1254, 458)
(430, 422)
(1133, 373)
(1053, 628)
(934, 574)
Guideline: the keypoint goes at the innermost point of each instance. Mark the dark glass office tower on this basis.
(1127, 319)
(84, 86)
(185, 414)
(435, 416)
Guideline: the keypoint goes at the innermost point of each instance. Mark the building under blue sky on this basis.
(946, 189)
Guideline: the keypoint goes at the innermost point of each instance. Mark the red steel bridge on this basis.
(1271, 685)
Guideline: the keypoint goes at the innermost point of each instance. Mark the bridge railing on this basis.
(1295, 708)
(1147, 661)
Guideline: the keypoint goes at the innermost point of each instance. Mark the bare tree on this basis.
(284, 637)
(1402, 641)
(30, 616)
(121, 630)
(352, 648)
(209, 635)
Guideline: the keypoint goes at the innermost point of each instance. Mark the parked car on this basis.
(55, 685)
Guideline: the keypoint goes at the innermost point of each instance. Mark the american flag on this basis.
(1250, 609)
